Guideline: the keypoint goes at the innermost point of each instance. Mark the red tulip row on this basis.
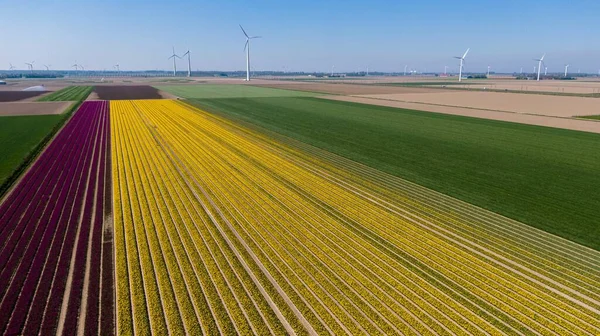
(51, 228)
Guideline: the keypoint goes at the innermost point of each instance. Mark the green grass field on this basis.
(19, 137)
(545, 177)
(593, 117)
(228, 91)
(70, 93)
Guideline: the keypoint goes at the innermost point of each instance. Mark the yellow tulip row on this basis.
(351, 253)
(507, 308)
(561, 259)
(174, 274)
(170, 113)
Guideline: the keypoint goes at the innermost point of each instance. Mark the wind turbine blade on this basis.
(544, 55)
(466, 52)
(253, 37)
(457, 57)
(243, 30)
(246, 45)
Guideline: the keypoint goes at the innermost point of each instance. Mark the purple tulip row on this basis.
(48, 223)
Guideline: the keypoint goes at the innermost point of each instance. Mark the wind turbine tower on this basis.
(118, 69)
(247, 49)
(30, 65)
(488, 72)
(539, 67)
(462, 60)
(405, 67)
(174, 56)
(189, 63)
(567, 69)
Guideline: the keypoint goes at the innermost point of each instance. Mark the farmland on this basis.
(264, 234)
(49, 225)
(17, 145)
(70, 93)
(543, 177)
(229, 91)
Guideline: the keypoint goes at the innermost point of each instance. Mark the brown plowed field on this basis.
(11, 96)
(347, 89)
(32, 108)
(554, 106)
(127, 92)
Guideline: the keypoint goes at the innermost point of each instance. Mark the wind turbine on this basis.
(332, 67)
(405, 67)
(116, 66)
(47, 67)
(545, 70)
(445, 69)
(539, 67)
(174, 56)
(488, 72)
(12, 67)
(189, 63)
(247, 49)
(567, 69)
(30, 65)
(462, 60)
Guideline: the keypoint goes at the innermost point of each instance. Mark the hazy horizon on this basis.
(309, 36)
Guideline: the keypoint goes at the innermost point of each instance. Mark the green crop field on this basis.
(70, 93)
(545, 177)
(19, 138)
(593, 117)
(229, 91)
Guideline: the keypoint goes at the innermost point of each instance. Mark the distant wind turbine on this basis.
(332, 67)
(462, 60)
(567, 69)
(47, 67)
(445, 69)
(76, 66)
(539, 67)
(488, 72)
(30, 65)
(405, 67)
(545, 71)
(247, 50)
(118, 69)
(174, 56)
(189, 63)
(12, 67)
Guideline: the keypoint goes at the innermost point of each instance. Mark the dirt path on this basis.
(530, 119)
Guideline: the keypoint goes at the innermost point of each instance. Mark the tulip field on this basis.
(56, 269)
(222, 229)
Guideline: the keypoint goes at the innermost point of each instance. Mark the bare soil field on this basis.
(346, 89)
(556, 106)
(550, 86)
(11, 96)
(530, 119)
(126, 92)
(32, 108)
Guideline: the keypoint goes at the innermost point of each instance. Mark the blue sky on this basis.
(302, 35)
